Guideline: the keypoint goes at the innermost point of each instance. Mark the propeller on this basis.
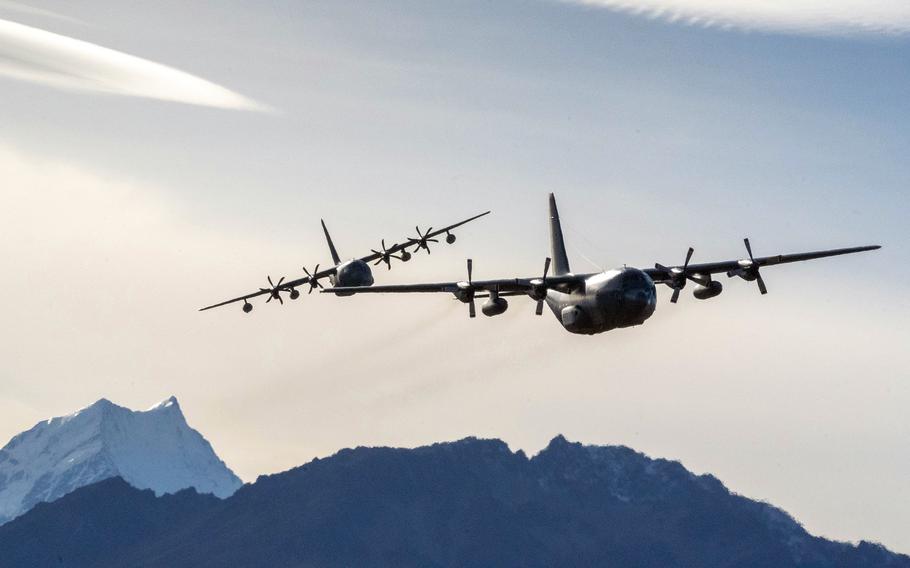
(314, 282)
(539, 287)
(422, 241)
(466, 292)
(386, 255)
(749, 269)
(274, 290)
(678, 276)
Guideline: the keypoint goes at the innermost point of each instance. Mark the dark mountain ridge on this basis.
(466, 503)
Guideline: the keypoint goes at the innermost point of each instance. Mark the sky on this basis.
(158, 158)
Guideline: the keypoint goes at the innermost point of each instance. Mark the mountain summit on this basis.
(465, 504)
(153, 449)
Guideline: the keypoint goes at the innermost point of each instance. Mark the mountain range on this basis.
(470, 503)
(154, 449)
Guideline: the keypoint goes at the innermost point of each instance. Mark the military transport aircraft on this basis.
(353, 272)
(598, 302)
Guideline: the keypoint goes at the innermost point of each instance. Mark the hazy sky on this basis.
(155, 158)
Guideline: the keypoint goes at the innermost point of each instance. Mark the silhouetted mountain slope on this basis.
(96, 523)
(467, 503)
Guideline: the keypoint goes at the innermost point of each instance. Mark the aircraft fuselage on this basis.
(623, 297)
(354, 272)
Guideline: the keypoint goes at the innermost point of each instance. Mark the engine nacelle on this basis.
(713, 288)
(494, 306)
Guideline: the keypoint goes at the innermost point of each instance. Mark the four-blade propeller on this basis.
(386, 256)
(274, 290)
(314, 282)
(678, 276)
(749, 270)
(539, 287)
(422, 241)
(466, 291)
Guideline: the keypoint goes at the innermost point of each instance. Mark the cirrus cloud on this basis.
(11, 6)
(38, 56)
(818, 17)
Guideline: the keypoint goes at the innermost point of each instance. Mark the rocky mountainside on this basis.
(154, 449)
(471, 503)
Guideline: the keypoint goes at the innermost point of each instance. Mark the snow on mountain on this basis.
(154, 449)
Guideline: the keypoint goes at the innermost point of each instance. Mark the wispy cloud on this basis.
(19, 8)
(821, 17)
(39, 56)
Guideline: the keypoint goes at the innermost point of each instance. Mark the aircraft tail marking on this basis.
(560, 260)
(328, 239)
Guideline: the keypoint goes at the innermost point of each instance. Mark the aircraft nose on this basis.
(640, 300)
(637, 296)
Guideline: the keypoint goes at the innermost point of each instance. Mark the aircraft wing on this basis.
(431, 234)
(660, 274)
(508, 286)
(738, 267)
(280, 285)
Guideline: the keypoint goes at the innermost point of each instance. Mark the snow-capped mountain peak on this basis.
(170, 402)
(153, 449)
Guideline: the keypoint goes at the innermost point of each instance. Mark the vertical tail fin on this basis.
(328, 239)
(560, 260)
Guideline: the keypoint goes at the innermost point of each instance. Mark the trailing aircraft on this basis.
(602, 301)
(355, 272)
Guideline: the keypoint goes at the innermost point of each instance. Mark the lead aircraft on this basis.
(598, 302)
(354, 272)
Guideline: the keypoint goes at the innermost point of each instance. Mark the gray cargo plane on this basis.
(598, 302)
(353, 272)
